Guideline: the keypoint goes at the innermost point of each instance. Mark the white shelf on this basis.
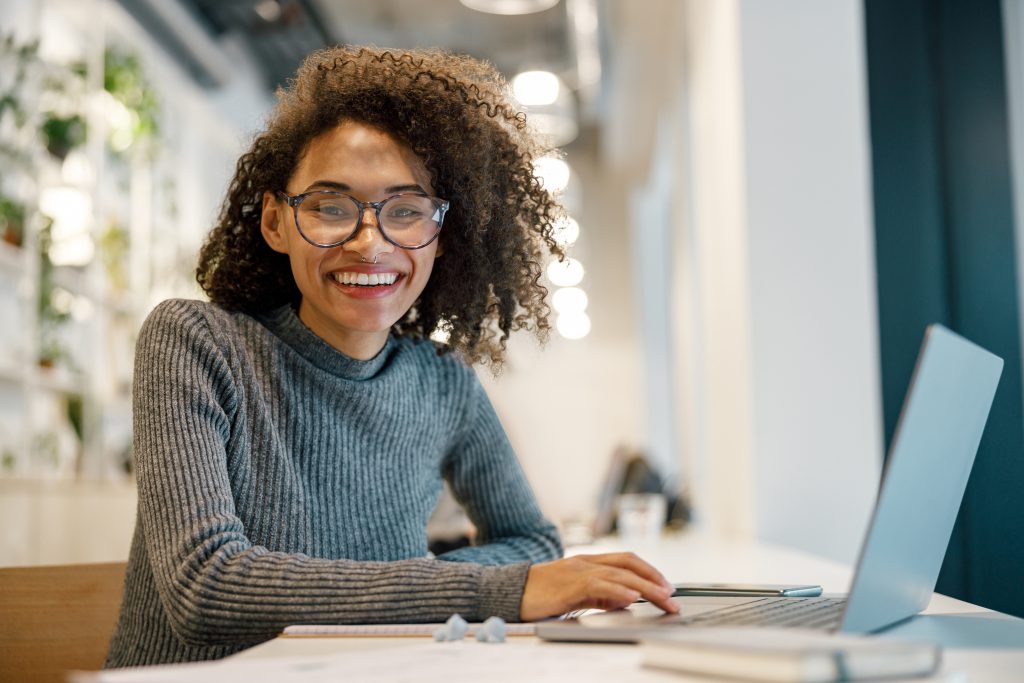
(140, 192)
(11, 375)
(58, 380)
(72, 279)
(11, 258)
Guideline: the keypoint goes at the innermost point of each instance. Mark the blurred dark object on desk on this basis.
(630, 472)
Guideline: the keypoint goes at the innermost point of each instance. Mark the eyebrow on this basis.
(343, 187)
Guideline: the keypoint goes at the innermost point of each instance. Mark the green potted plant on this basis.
(23, 56)
(20, 63)
(63, 134)
(113, 245)
(12, 221)
(124, 79)
(50, 317)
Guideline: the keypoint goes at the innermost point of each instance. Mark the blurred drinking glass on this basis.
(641, 517)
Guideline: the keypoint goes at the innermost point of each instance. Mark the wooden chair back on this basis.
(55, 619)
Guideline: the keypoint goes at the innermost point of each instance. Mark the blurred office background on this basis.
(773, 199)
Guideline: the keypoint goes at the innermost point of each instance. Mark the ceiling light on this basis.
(573, 325)
(509, 6)
(550, 105)
(566, 231)
(534, 88)
(269, 10)
(569, 300)
(551, 109)
(568, 273)
(553, 173)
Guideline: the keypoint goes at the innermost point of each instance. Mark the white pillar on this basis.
(781, 376)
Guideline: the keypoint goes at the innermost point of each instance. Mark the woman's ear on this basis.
(271, 224)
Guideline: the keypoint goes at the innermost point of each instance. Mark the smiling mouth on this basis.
(365, 279)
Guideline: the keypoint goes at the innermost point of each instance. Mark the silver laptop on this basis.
(930, 460)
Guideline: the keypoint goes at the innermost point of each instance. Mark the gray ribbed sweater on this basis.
(283, 482)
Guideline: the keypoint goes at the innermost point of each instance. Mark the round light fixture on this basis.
(269, 10)
(573, 325)
(567, 231)
(569, 300)
(553, 173)
(533, 88)
(568, 273)
(509, 6)
(550, 105)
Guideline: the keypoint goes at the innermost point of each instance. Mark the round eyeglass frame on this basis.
(295, 200)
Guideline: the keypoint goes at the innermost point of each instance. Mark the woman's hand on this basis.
(609, 581)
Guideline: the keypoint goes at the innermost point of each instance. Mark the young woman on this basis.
(291, 436)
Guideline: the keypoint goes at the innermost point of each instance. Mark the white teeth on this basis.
(365, 279)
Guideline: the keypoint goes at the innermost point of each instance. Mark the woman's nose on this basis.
(369, 235)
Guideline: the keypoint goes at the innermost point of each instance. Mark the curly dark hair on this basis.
(452, 112)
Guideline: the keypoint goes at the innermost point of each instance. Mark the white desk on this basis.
(986, 645)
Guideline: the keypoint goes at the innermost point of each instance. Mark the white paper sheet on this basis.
(516, 661)
(427, 662)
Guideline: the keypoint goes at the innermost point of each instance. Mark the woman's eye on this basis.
(332, 211)
(405, 212)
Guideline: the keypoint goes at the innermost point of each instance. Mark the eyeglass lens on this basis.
(408, 220)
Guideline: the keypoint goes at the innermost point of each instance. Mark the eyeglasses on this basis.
(409, 220)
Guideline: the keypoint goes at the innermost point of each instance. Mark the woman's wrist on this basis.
(501, 590)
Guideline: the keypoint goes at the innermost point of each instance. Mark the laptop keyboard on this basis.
(814, 613)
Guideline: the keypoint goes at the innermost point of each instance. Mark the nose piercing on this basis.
(363, 259)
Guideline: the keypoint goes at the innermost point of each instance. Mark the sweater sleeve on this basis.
(214, 584)
(488, 481)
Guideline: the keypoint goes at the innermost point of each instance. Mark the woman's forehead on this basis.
(355, 152)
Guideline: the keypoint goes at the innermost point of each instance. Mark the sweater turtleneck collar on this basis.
(284, 322)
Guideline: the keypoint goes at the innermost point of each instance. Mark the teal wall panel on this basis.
(946, 249)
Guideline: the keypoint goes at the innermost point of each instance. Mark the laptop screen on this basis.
(930, 460)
